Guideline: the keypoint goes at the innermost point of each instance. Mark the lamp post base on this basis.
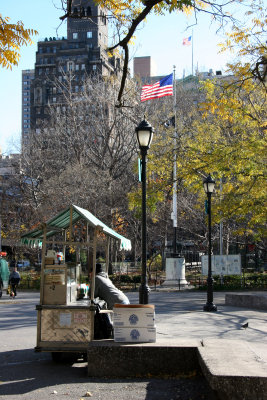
(209, 307)
(143, 294)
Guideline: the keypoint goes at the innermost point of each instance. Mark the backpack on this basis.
(103, 328)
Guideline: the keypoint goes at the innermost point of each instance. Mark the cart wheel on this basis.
(56, 356)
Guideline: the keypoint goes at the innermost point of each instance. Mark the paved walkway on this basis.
(179, 318)
(179, 314)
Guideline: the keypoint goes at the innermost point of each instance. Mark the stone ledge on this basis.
(233, 370)
(230, 367)
(126, 360)
(252, 301)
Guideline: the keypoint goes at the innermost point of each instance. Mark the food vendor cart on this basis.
(65, 324)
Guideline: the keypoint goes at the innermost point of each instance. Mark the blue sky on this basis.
(161, 38)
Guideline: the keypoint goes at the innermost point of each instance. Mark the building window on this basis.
(89, 35)
(75, 35)
(76, 89)
(54, 99)
(83, 67)
(94, 67)
(77, 67)
(38, 95)
(70, 66)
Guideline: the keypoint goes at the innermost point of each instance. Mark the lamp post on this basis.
(144, 133)
(209, 184)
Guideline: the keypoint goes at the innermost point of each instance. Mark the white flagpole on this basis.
(192, 54)
(174, 201)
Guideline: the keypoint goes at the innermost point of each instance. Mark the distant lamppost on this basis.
(144, 133)
(209, 184)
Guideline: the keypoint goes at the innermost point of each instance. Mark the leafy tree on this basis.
(12, 37)
(191, 223)
(230, 143)
(230, 138)
(249, 44)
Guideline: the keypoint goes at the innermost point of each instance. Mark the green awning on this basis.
(62, 221)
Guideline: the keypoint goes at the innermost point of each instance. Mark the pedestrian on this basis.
(14, 279)
(1, 286)
(105, 289)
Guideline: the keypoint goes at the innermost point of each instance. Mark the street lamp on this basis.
(144, 132)
(209, 184)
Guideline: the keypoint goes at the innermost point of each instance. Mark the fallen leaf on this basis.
(88, 394)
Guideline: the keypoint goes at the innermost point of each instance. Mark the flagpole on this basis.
(174, 201)
(192, 55)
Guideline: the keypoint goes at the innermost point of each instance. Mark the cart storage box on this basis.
(134, 323)
(134, 315)
(135, 335)
(55, 288)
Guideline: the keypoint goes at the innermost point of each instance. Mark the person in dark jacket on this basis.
(1, 286)
(105, 289)
(14, 279)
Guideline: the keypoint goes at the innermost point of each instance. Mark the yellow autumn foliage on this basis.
(12, 37)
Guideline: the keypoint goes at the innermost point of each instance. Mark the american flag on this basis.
(159, 89)
(187, 41)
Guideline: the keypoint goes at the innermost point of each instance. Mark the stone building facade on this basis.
(82, 53)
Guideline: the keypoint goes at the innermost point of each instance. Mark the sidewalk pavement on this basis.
(219, 338)
(229, 346)
(180, 315)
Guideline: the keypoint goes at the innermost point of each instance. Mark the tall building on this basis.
(27, 77)
(144, 68)
(81, 53)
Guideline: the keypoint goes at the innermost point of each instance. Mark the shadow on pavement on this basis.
(31, 375)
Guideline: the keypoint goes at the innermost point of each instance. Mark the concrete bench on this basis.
(253, 301)
(129, 360)
(233, 370)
